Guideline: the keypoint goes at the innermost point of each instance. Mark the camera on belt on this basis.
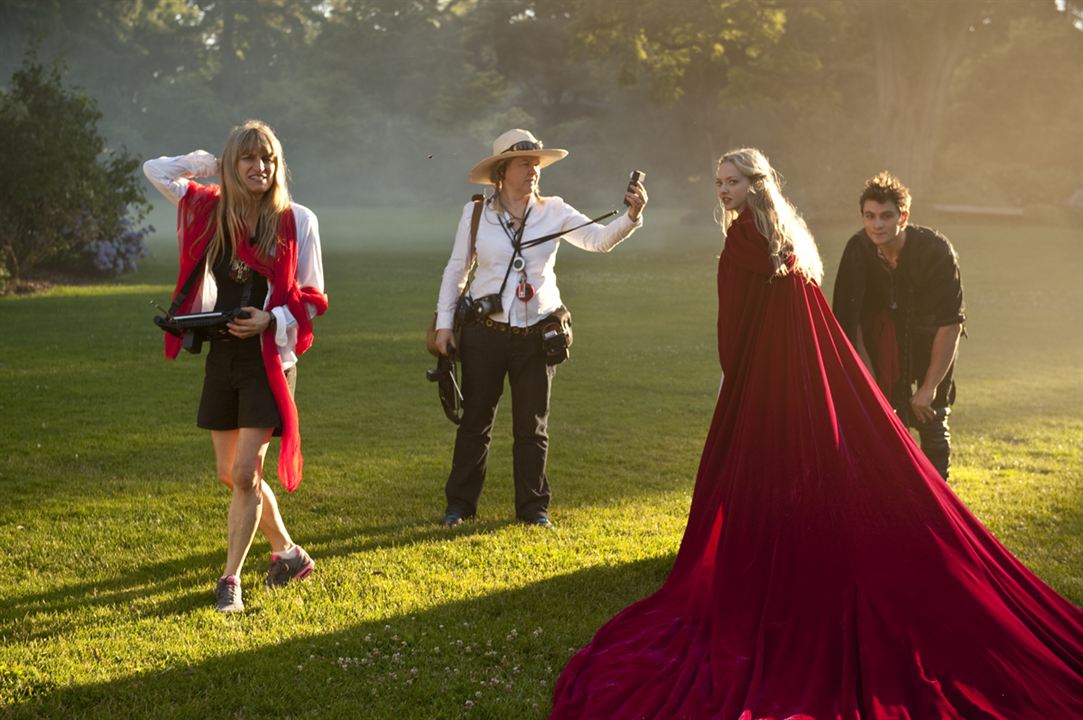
(474, 310)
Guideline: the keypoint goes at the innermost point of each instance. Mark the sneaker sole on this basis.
(304, 572)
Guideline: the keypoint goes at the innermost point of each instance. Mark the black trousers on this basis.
(487, 356)
(935, 436)
(936, 440)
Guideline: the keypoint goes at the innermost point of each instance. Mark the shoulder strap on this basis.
(178, 301)
(475, 221)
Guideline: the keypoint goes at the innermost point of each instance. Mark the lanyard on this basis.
(516, 244)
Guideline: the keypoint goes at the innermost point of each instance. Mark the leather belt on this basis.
(511, 329)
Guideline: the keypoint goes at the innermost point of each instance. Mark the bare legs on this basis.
(239, 458)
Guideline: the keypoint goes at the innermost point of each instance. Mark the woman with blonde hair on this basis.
(246, 246)
(826, 571)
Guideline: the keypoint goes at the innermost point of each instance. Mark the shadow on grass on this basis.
(197, 573)
(401, 667)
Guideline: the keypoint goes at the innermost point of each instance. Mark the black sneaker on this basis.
(453, 519)
(541, 521)
(283, 570)
(227, 596)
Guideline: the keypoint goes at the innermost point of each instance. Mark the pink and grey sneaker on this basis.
(284, 569)
(227, 595)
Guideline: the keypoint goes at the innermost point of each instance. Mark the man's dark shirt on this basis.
(922, 294)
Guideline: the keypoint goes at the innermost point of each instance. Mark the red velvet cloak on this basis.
(827, 571)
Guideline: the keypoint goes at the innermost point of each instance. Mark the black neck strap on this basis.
(553, 236)
(187, 287)
(516, 244)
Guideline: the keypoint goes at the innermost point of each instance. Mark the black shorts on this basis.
(236, 393)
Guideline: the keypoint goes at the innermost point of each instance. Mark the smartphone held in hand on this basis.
(637, 176)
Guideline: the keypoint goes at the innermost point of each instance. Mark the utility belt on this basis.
(512, 329)
(555, 329)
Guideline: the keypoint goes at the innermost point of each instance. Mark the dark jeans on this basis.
(936, 440)
(487, 355)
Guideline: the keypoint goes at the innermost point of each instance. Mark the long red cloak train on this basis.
(827, 572)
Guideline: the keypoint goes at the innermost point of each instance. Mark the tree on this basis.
(68, 199)
(1013, 126)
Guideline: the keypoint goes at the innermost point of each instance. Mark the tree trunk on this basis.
(227, 47)
(919, 47)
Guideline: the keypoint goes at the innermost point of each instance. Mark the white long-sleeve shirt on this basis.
(171, 175)
(494, 252)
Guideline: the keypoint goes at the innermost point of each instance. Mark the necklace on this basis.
(890, 262)
(239, 270)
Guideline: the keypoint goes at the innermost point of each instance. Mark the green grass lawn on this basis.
(113, 526)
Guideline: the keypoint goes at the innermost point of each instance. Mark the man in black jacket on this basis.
(899, 298)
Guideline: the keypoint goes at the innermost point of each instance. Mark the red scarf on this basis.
(195, 227)
(885, 345)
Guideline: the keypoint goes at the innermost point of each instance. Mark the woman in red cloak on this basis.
(827, 571)
(246, 245)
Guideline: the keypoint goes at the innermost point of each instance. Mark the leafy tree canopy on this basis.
(70, 201)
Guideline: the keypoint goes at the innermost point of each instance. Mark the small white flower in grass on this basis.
(477, 693)
(469, 703)
(368, 638)
(537, 632)
(387, 628)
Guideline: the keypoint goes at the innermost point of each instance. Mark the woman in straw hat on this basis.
(513, 295)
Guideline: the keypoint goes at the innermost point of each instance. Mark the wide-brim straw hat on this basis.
(514, 143)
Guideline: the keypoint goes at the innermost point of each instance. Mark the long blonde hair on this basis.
(253, 136)
(776, 219)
